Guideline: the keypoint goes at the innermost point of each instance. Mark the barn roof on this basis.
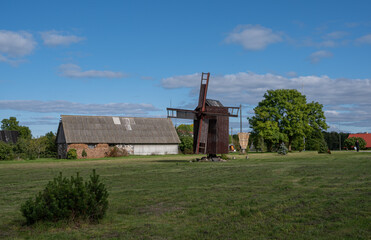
(9, 136)
(365, 136)
(116, 130)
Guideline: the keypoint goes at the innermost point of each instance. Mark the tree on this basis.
(185, 133)
(6, 151)
(12, 124)
(185, 130)
(51, 146)
(284, 116)
(334, 138)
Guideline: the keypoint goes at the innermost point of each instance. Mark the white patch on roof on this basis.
(127, 124)
(116, 120)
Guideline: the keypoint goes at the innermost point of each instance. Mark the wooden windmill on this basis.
(210, 122)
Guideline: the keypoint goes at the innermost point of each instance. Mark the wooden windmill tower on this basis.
(210, 122)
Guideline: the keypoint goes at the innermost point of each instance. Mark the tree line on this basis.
(26, 146)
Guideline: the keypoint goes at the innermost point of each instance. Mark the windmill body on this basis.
(210, 122)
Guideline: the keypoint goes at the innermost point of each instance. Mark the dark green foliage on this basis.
(333, 138)
(350, 143)
(323, 147)
(224, 156)
(44, 146)
(50, 145)
(84, 154)
(258, 141)
(298, 144)
(71, 199)
(314, 139)
(282, 149)
(13, 125)
(186, 144)
(284, 115)
(185, 134)
(28, 148)
(6, 151)
(72, 154)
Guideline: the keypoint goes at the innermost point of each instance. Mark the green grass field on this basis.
(299, 196)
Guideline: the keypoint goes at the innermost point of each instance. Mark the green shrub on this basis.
(72, 154)
(282, 149)
(323, 147)
(6, 151)
(186, 144)
(224, 156)
(84, 154)
(70, 199)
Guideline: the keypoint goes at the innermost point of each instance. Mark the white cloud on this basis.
(74, 71)
(319, 55)
(336, 35)
(345, 100)
(55, 38)
(364, 39)
(253, 37)
(292, 74)
(15, 45)
(63, 107)
(332, 112)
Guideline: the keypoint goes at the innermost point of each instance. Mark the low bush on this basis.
(6, 151)
(72, 154)
(70, 199)
(224, 156)
(186, 144)
(84, 154)
(282, 149)
(323, 147)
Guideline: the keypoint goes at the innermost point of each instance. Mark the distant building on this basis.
(365, 136)
(96, 135)
(9, 136)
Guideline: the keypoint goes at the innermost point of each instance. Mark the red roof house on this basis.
(365, 136)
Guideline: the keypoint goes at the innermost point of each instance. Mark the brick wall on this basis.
(99, 150)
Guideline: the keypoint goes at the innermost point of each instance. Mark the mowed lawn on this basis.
(300, 196)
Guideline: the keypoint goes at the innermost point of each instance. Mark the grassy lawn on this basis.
(299, 196)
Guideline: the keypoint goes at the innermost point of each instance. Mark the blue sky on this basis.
(135, 58)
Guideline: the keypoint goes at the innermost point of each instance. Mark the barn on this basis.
(98, 134)
(9, 136)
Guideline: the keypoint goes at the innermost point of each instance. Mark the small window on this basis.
(91, 146)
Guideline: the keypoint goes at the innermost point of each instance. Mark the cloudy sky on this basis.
(135, 58)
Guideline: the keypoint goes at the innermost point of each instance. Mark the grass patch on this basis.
(298, 196)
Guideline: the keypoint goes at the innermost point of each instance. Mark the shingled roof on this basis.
(9, 136)
(116, 130)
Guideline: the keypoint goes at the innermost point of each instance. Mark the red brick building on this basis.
(365, 136)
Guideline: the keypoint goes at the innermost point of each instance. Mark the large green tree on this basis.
(284, 116)
(13, 125)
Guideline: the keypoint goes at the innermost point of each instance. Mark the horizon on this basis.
(135, 59)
